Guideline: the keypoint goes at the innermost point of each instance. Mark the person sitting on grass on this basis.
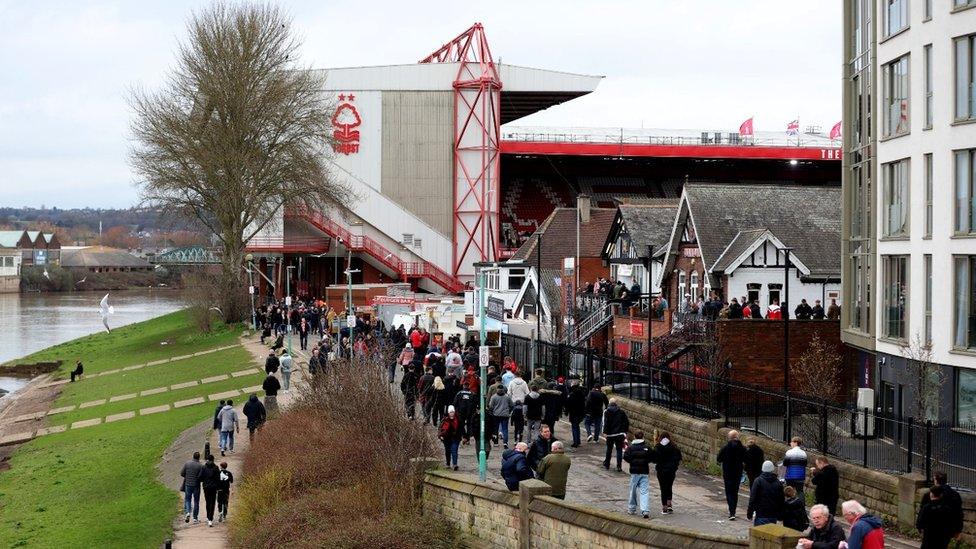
(78, 371)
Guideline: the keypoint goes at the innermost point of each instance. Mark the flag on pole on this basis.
(835, 132)
(793, 128)
(746, 127)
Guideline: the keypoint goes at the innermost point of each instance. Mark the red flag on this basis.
(746, 127)
(835, 131)
(793, 128)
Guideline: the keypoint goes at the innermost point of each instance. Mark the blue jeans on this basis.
(286, 379)
(451, 452)
(576, 433)
(639, 485)
(503, 427)
(191, 495)
(226, 440)
(760, 521)
(593, 426)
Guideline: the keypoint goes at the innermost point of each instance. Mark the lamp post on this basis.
(335, 272)
(251, 289)
(352, 309)
(482, 456)
(288, 304)
(787, 421)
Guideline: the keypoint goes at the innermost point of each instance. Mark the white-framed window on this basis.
(962, 3)
(963, 76)
(491, 280)
(964, 301)
(694, 285)
(927, 77)
(927, 15)
(895, 98)
(895, 16)
(965, 202)
(516, 277)
(895, 271)
(928, 195)
(927, 260)
(682, 284)
(8, 261)
(896, 197)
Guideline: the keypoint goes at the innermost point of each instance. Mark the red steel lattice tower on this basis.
(477, 129)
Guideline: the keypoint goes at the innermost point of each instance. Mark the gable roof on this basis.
(648, 222)
(807, 219)
(559, 237)
(10, 239)
(747, 242)
(551, 292)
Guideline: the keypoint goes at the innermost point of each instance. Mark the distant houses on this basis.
(19, 249)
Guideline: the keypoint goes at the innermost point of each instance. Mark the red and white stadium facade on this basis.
(421, 146)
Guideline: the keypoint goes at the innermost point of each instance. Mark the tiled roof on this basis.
(559, 237)
(807, 219)
(738, 246)
(649, 223)
(100, 256)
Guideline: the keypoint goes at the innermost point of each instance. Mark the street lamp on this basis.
(787, 421)
(288, 304)
(251, 290)
(351, 312)
(483, 364)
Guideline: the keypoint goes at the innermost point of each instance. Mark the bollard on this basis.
(206, 449)
(168, 544)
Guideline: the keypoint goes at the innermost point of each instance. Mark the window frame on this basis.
(970, 109)
(889, 100)
(888, 172)
(887, 263)
(927, 11)
(928, 94)
(927, 177)
(958, 384)
(904, 16)
(963, 296)
(958, 228)
(927, 273)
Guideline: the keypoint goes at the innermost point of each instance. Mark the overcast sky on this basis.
(67, 67)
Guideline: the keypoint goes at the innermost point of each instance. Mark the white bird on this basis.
(106, 310)
(221, 313)
(80, 281)
(46, 275)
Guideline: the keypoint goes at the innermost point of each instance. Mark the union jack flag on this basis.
(793, 128)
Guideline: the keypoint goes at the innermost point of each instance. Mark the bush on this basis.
(347, 448)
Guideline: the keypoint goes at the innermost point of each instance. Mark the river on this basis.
(33, 321)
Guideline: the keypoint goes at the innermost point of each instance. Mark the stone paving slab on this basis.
(181, 357)
(118, 398)
(86, 423)
(16, 438)
(51, 430)
(225, 394)
(28, 417)
(157, 362)
(56, 383)
(184, 385)
(121, 416)
(154, 410)
(252, 389)
(212, 379)
(155, 391)
(243, 373)
(60, 410)
(133, 367)
(189, 402)
(91, 403)
(110, 372)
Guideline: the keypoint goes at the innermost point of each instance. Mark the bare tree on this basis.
(237, 133)
(926, 377)
(816, 375)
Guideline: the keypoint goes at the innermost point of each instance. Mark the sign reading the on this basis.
(495, 308)
(345, 120)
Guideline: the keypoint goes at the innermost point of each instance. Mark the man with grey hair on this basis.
(515, 468)
(825, 532)
(866, 530)
(554, 470)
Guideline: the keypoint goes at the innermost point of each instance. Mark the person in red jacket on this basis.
(774, 312)
(866, 530)
(450, 435)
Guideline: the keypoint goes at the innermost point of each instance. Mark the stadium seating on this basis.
(526, 203)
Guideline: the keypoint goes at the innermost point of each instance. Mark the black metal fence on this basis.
(674, 379)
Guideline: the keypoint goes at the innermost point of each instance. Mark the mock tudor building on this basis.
(640, 227)
(731, 239)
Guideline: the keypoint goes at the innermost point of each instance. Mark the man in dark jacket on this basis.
(464, 404)
(936, 520)
(271, 387)
(255, 413)
(615, 427)
(552, 402)
(735, 310)
(596, 402)
(541, 447)
(817, 313)
(732, 456)
(425, 391)
(533, 407)
(210, 480)
(803, 311)
(515, 468)
(191, 487)
(408, 386)
(755, 310)
(754, 460)
(216, 422)
(766, 497)
(826, 484)
(576, 410)
(638, 455)
(825, 532)
(272, 363)
(950, 499)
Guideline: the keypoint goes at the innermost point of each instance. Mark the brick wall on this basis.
(697, 439)
(477, 509)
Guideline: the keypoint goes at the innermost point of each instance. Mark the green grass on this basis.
(136, 344)
(169, 397)
(151, 377)
(94, 487)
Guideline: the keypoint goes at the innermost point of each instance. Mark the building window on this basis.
(896, 197)
(491, 280)
(8, 261)
(774, 290)
(928, 10)
(928, 298)
(895, 98)
(965, 204)
(962, 3)
(694, 285)
(896, 16)
(516, 277)
(965, 98)
(965, 397)
(964, 331)
(927, 77)
(895, 272)
(636, 350)
(928, 195)
(752, 293)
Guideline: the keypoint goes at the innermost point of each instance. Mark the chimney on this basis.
(583, 207)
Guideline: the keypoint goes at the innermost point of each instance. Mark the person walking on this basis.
(540, 447)
(732, 457)
(936, 520)
(286, 364)
(794, 510)
(950, 498)
(615, 427)
(825, 532)
(425, 392)
(191, 488)
(576, 409)
(224, 479)
(639, 456)
(500, 410)
(216, 421)
(753, 461)
(596, 402)
(553, 403)
(826, 484)
(464, 405)
(515, 468)
(210, 480)
(866, 529)
(766, 497)
(256, 415)
(554, 470)
(408, 386)
(228, 424)
(271, 387)
(271, 363)
(667, 457)
(303, 329)
(450, 435)
(533, 412)
(795, 462)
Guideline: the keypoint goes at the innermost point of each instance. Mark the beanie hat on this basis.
(767, 466)
(450, 408)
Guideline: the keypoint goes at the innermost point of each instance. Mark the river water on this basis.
(33, 321)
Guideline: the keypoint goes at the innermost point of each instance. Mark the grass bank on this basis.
(97, 486)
